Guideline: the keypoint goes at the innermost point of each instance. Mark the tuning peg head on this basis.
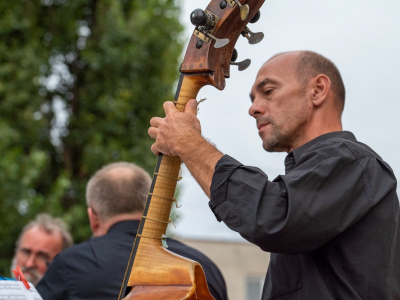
(198, 17)
(244, 12)
(203, 18)
(255, 38)
(243, 65)
(219, 43)
(256, 17)
(234, 55)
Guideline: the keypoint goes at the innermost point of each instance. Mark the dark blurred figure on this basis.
(95, 269)
(37, 245)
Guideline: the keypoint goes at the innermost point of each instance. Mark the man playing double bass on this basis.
(331, 222)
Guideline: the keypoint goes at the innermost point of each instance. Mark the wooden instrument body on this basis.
(154, 272)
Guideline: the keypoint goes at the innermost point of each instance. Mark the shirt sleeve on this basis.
(53, 285)
(330, 188)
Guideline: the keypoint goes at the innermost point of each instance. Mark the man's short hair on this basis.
(311, 64)
(116, 189)
(49, 225)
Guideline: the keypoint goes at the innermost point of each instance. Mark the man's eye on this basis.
(26, 252)
(268, 92)
(43, 257)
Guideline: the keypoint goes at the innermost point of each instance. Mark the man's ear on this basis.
(321, 86)
(93, 220)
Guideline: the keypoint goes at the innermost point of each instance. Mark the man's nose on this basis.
(256, 108)
(30, 261)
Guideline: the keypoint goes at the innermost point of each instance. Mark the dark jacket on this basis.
(95, 269)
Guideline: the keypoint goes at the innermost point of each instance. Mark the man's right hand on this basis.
(177, 132)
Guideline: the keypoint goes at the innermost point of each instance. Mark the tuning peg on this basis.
(244, 10)
(204, 22)
(256, 17)
(219, 43)
(253, 38)
(243, 65)
(200, 18)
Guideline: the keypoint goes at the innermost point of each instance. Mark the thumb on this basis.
(191, 107)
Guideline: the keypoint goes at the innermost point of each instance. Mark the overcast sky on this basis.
(362, 37)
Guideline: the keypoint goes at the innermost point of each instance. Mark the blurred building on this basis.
(243, 265)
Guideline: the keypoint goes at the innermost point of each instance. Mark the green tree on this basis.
(79, 82)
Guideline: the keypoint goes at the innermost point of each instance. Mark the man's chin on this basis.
(270, 147)
(276, 143)
(30, 274)
(32, 278)
(270, 142)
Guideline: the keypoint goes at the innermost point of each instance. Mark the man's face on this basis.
(36, 250)
(280, 105)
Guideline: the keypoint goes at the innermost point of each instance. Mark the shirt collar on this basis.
(125, 226)
(293, 156)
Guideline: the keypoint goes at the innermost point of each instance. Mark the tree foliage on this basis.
(79, 82)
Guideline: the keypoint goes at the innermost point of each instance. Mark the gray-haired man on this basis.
(38, 243)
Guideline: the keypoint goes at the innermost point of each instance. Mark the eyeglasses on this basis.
(40, 257)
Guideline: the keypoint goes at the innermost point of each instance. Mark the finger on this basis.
(191, 107)
(152, 132)
(156, 121)
(154, 150)
(169, 107)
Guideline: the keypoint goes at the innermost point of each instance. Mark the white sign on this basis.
(16, 290)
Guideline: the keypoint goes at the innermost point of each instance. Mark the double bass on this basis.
(153, 272)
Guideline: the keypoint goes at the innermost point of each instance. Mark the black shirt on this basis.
(331, 222)
(95, 269)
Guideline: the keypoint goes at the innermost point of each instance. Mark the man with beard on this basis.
(331, 222)
(95, 269)
(39, 242)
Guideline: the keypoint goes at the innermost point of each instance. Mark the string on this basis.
(155, 220)
(165, 176)
(170, 199)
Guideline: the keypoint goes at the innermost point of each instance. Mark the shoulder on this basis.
(343, 162)
(359, 150)
(340, 149)
(71, 258)
(346, 159)
(57, 280)
(90, 251)
(352, 151)
(215, 279)
(74, 251)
